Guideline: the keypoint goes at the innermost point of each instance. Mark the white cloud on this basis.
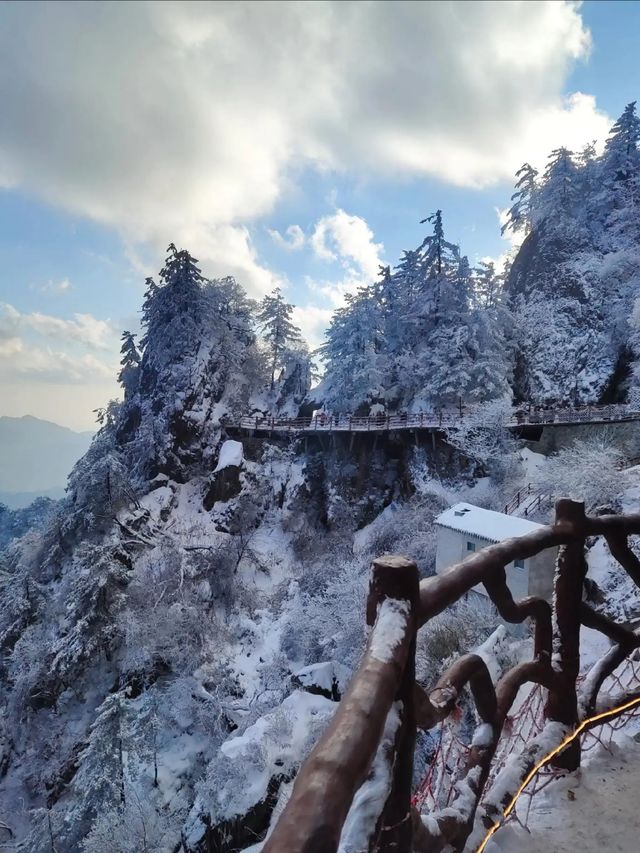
(341, 236)
(18, 357)
(49, 366)
(10, 347)
(84, 328)
(27, 356)
(228, 250)
(56, 287)
(195, 121)
(292, 240)
(312, 320)
(347, 240)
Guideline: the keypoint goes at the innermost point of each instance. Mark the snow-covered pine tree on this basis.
(520, 214)
(621, 159)
(558, 192)
(486, 285)
(278, 330)
(491, 338)
(440, 260)
(445, 361)
(618, 197)
(407, 340)
(586, 162)
(295, 379)
(198, 346)
(130, 365)
(100, 782)
(352, 354)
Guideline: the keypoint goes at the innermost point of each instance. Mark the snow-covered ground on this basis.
(591, 811)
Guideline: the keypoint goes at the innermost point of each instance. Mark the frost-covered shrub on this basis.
(330, 622)
(409, 531)
(483, 437)
(137, 825)
(272, 747)
(453, 633)
(589, 470)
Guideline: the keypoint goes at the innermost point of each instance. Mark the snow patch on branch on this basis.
(466, 797)
(483, 736)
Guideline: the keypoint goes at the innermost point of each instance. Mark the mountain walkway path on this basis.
(441, 420)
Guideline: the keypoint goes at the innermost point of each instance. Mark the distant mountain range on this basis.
(36, 457)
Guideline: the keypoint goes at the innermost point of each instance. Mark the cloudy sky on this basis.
(290, 143)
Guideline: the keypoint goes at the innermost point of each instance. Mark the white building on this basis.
(464, 528)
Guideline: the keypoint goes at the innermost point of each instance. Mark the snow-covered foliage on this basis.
(170, 605)
(430, 333)
(572, 286)
(588, 470)
(483, 437)
(14, 523)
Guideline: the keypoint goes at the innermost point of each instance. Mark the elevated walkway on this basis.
(439, 421)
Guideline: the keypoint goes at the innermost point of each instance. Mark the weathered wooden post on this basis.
(571, 568)
(324, 789)
(397, 577)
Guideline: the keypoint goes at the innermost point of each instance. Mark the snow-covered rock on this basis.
(328, 678)
(231, 454)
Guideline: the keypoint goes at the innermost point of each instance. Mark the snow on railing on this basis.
(440, 419)
(467, 786)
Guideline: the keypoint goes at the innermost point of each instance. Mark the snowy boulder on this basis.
(159, 481)
(329, 679)
(225, 483)
(158, 503)
(231, 455)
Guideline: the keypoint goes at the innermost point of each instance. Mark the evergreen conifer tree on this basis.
(130, 365)
(520, 214)
(279, 332)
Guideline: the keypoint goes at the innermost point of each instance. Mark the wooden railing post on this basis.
(562, 705)
(313, 819)
(397, 577)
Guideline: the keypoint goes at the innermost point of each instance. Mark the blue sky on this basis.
(131, 125)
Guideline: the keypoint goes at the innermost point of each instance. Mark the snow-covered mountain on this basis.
(176, 635)
(573, 284)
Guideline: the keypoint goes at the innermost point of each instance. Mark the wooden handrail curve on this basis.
(359, 740)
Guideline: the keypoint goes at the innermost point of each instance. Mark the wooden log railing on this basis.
(366, 753)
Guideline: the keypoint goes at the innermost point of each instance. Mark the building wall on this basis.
(536, 578)
(541, 572)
